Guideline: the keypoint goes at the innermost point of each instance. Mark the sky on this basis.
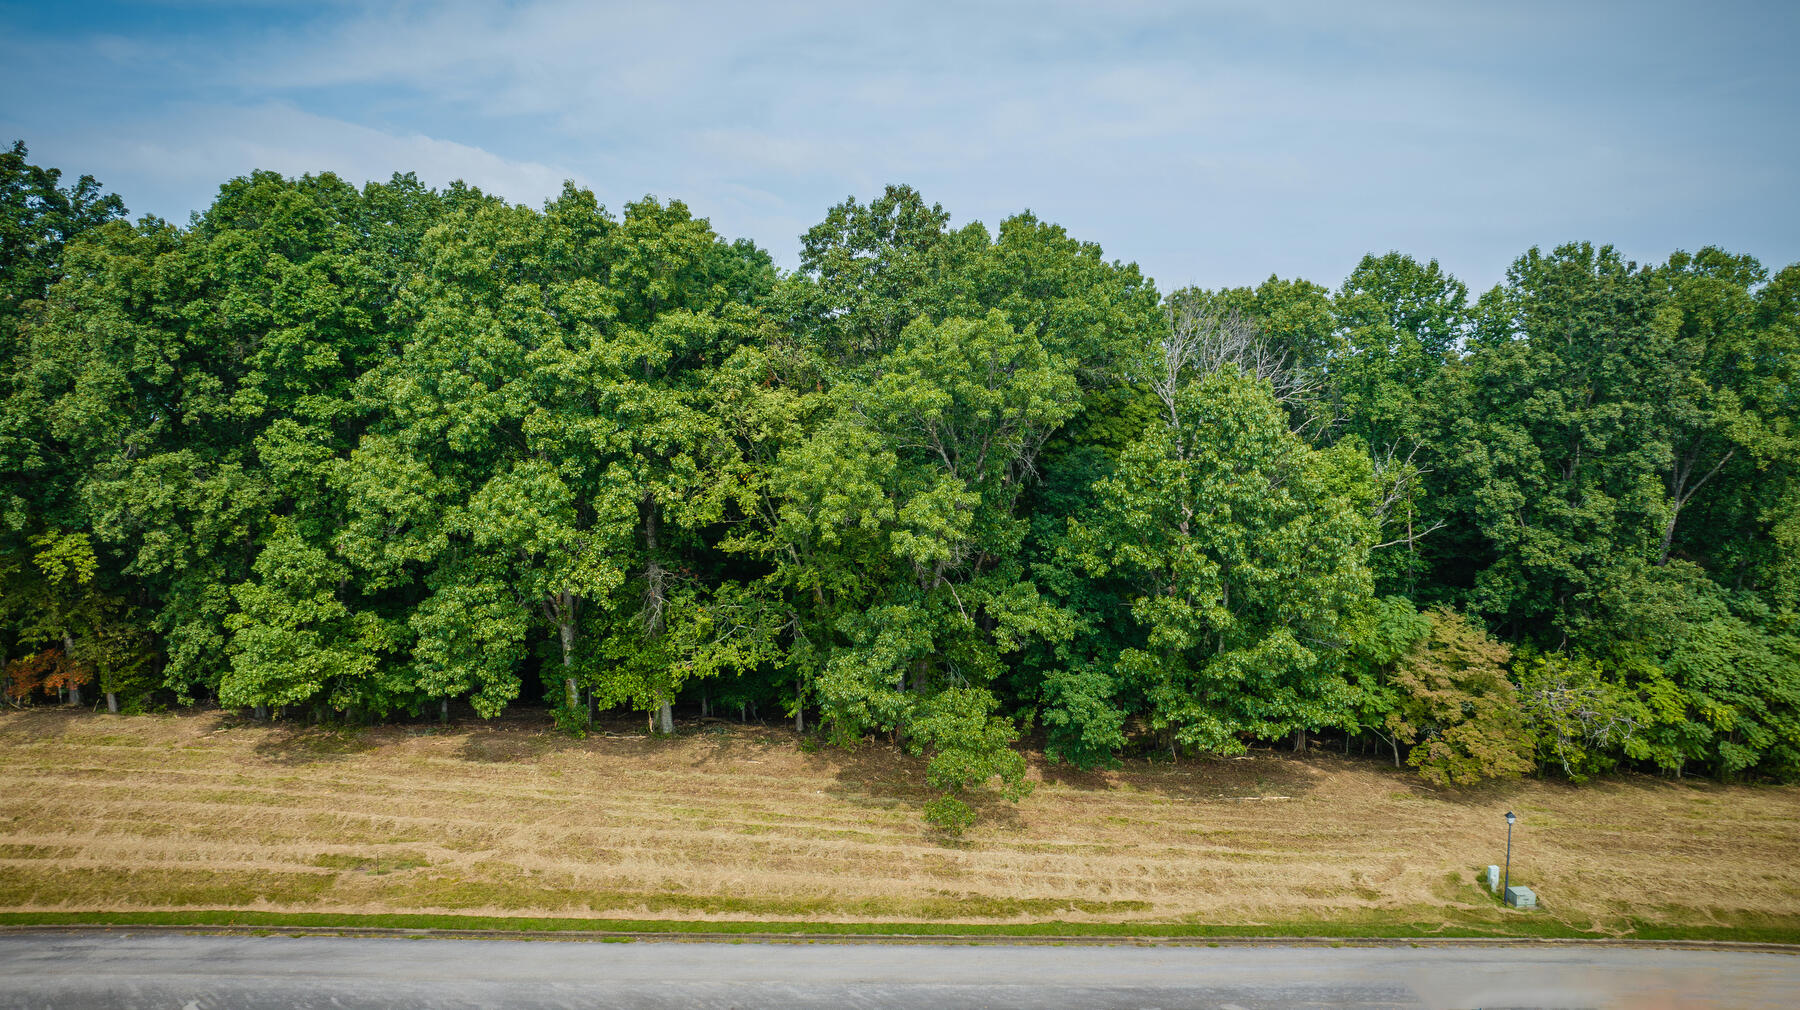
(1213, 143)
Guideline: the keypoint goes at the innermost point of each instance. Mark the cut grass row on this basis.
(741, 829)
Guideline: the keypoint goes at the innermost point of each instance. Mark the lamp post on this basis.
(1509, 823)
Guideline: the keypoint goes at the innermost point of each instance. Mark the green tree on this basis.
(896, 519)
(196, 391)
(1455, 708)
(1247, 552)
(38, 219)
(1400, 321)
(1583, 720)
(920, 469)
(1556, 449)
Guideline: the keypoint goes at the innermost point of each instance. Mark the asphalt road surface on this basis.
(183, 972)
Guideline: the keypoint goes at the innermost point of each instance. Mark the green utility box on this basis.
(1521, 897)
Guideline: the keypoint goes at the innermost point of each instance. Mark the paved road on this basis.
(179, 972)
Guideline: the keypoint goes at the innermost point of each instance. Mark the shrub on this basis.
(1456, 708)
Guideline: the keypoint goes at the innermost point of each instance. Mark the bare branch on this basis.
(1204, 340)
(1396, 484)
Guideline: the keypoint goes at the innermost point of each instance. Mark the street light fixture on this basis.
(1510, 818)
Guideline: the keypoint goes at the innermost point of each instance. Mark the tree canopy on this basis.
(361, 453)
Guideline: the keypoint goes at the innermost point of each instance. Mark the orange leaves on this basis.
(47, 671)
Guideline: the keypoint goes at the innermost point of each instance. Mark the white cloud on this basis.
(177, 162)
(1212, 141)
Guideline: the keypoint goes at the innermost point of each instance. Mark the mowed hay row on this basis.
(207, 811)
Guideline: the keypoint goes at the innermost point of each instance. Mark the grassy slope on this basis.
(201, 819)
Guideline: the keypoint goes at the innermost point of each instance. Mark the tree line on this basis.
(355, 454)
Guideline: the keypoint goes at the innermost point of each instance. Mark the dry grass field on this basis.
(726, 822)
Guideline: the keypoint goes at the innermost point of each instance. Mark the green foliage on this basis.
(1582, 720)
(1246, 556)
(1083, 714)
(949, 815)
(38, 219)
(1740, 698)
(1379, 638)
(1455, 707)
(968, 747)
(365, 451)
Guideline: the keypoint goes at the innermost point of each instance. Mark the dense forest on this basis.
(358, 454)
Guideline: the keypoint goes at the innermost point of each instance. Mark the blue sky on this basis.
(1211, 142)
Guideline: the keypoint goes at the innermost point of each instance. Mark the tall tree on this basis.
(1247, 556)
(38, 219)
(1556, 448)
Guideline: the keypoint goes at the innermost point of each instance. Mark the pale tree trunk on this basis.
(1681, 494)
(799, 705)
(112, 703)
(654, 576)
(1299, 741)
(69, 656)
(1391, 741)
(444, 711)
(655, 598)
(565, 626)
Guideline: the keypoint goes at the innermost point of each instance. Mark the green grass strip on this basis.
(1358, 928)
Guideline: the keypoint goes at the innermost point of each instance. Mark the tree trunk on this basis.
(261, 712)
(444, 711)
(1299, 741)
(69, 657)
(1395, 743)
(565, 626)
(654, 598)
(112, 703)
(1680, 493)
(705, 705)
(1668, 538)
(799, 705)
